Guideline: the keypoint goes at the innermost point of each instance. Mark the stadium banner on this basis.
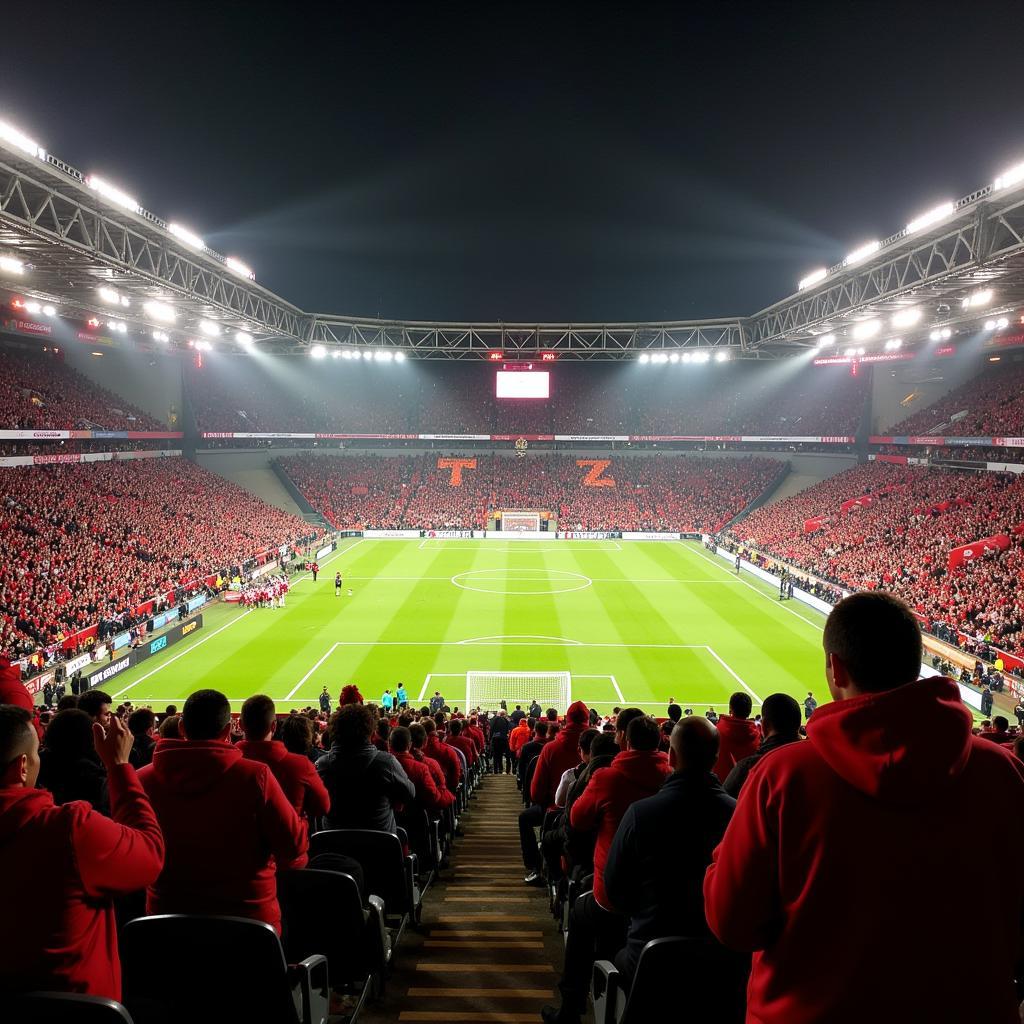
(813, 525)
(366, 437)
(324, 551)
(36, 683)
(933, 440)
(454, 437)
(448, 534)
(89, 435)
(516, 534)
(591, 437)
(814, 602)
(121, 640)
(522, 437)
(161, 620)
(685, 437)
(49, 460)
(75, 664)
(648, 535)
(968, 552)
(585, 535)
(393, 534)
(115, 668)
(264, 569)
(1005, 467)
(862, 502)
(195, 602)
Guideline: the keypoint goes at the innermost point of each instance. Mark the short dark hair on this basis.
(68, 701)
(70, 734)
(587, 739)
(92, 700)
(781, 713)
(206, 715)
(740, 704)
(643, 733)
(15, 732)
(625, 716)
(675, 712)
(877, 638)
(259, 716)
(297, 734)
(454, 727)
(551, 715)
(141, 721)
(352, 725)
(1001, 723)
(401, 740)
(540, 727)
(428, 726)
(418, 734)
(603, 745)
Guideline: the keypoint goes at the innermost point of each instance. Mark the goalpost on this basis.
(488, 689)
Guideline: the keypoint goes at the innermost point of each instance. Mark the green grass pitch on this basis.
(634, 622)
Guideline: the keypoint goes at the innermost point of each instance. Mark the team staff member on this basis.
(314, 569)
(337, 584)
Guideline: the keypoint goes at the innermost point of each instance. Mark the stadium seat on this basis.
(200, 968)
(390, 873)
(531, 767)
(713, 978)
(322, 913)
(63, 1008)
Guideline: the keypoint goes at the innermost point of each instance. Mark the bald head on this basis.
(694, 745)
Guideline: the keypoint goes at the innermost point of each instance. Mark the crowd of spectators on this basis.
(79, 543)
(663, 492)
(988, 405)
(38, 391)
(900, 540)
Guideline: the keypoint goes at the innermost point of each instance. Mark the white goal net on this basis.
(520, 522)
(488, 689)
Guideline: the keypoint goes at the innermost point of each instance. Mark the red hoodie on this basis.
(737, 738)
(446, 757)
(296, 776)
(225, 819)
(558, 756)
(61, 935)
(847, 866)
(432, 799)
(633, 775)
(12, 689)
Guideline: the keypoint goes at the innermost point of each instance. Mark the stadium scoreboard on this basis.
(522, 380)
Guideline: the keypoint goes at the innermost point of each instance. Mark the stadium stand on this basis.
(658, 493)
(82, 543)
(39, 392)
(990, 404)
(901, 538)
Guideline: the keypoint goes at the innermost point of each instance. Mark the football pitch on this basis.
(634, 622)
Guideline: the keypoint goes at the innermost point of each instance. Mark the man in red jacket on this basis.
(460, 742)
(738, 736)
(61, 934)
(432, 799)
(596, 932)
(843, 868)
(296, 775)
(444, 755)
(225, 819)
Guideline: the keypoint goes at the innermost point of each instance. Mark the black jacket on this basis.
(500, 728)
(74, 778)
(742, 768)
(656, 864)
(363, 785)
(528, 752)
(516, 717)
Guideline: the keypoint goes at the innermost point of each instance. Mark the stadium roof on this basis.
(80, 244)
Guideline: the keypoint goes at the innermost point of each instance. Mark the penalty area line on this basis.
(298, 685)
(721, 661)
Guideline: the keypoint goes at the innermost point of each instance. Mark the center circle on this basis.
(521, 581)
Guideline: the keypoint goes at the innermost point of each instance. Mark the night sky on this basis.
(521, 161)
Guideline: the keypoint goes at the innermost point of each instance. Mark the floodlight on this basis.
(243, 338)
(982, 297)
(111, 296)
(907, 317)
(399, 357)
(238, 267)
(10, 265)
(812, 278)
(850, 352)
(383, 356)
(20, 140)
(203, 346)
(112, 193)
(674, 358)
(866, 329)
(1002, 322)
(335, 353)
(209, 328)
(860, 351)
(49, 311)
(318, 352)
(893, 344)
(160, 311)
(188, 237)
(687, 357)
(722, 357)
(933, 216)
(990, 325)
(32, 307)
(701, 357)
(644, 357)
(827, 339)
(367, 354)
(940, 334)
(1010, 177)
(347, 353)
(862, 252)
(160, 336)
(118, 325)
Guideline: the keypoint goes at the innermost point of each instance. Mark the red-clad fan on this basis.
(738, 735)
(460, 742)
(558, 756)
(61, 934)
(431, 798)
(444, 755)
(12, 689)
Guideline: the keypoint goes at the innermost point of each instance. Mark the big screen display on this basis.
(523, 384)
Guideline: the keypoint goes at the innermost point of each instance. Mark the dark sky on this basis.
(526, 161)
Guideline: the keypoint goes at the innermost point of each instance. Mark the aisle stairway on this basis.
(488, 951)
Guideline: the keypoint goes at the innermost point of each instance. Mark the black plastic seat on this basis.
(63, 1008)
(713, 977)
(202, 969)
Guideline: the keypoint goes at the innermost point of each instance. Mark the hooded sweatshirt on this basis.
(61, 935)
(633, 775)
(737, 738)
(847, 866)
(225, 821)
(558, 756)
(12, 689)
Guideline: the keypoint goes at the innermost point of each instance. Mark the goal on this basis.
(488, 689)
(513, 521)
